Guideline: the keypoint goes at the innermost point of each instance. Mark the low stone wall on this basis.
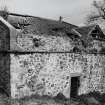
(49, 73)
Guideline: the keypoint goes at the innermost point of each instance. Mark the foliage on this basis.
(102, 51)
(60, 96)
(76, 49)
(94, 51)
(99, 13)
(92, 98)
(4, 12)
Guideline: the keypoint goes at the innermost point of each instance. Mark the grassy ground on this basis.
(37, 100)
(58, 100)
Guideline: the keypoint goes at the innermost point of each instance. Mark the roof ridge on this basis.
(23, 15)
(6, 22)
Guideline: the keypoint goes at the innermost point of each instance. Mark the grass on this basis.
(92, 98)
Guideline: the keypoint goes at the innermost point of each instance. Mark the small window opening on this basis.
(36, 42)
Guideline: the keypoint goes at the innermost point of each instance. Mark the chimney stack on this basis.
(60, 18)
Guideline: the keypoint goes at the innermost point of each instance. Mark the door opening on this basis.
(75, 83)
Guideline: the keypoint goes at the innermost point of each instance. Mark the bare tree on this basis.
(99, 13)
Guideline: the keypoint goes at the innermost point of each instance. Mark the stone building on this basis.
(47, 57)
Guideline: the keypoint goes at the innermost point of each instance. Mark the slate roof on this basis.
(37, 25)
(33, 26)
(85, 30)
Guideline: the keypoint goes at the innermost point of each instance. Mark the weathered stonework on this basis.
(98, 45)
(44, 42)
(43, 64)
(49, 74)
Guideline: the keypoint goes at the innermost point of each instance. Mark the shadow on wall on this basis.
(4, 92)
(5, 74)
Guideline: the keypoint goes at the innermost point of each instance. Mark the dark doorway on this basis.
(75, 83)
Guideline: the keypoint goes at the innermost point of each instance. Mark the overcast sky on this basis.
(72, 11)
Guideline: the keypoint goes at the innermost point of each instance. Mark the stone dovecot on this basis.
(38, 57)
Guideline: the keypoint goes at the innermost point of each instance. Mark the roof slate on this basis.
(85, 30)
(37, 25)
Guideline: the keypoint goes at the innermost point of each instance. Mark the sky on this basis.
(72, 11)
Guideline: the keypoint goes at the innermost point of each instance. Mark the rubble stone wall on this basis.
(49, 73)
(43, 42)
